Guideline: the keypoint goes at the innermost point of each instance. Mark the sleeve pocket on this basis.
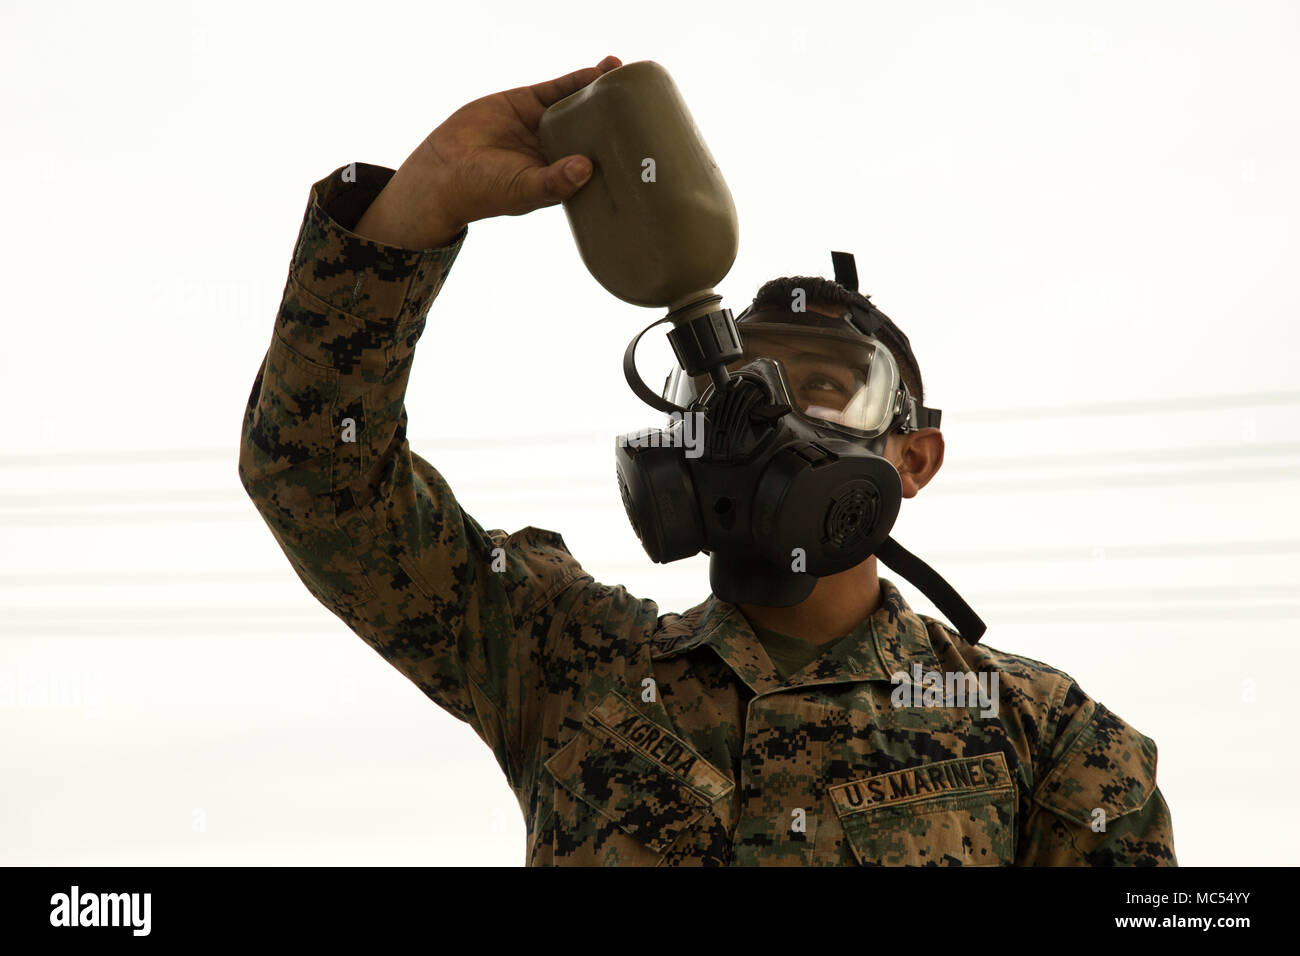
(1110, 768)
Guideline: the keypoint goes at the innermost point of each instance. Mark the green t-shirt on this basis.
(792, 654)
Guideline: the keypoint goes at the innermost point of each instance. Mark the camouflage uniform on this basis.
(627, 736)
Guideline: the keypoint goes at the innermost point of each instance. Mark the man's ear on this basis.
(917, 456)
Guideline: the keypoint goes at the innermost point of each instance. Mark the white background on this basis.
(1084, 216)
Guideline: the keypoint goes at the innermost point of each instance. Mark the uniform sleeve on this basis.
(372, 529)
(1096, 802)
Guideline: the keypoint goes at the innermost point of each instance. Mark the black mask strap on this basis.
(846, 270)
(927, 580)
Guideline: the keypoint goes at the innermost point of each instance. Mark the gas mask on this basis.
(772, 463)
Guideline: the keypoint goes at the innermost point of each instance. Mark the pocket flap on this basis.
(641, 777)
(1110, 767)
(949, 813)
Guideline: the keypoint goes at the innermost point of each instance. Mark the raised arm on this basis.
(372, 529)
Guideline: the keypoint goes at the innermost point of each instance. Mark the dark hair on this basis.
(819, 291)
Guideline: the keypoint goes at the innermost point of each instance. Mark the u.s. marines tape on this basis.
(899, 787)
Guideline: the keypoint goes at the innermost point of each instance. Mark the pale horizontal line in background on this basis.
(231, 453)
(1095, 550)
(301, 626)
(226, 504)
(44, 519)
(1213, 594)
(260, 626)
(1214, 453)
(1208, 592)
(185, 496)
(1091, 552)
(1202, 597)
(1225, 455)
(1232, 473)
(142, 456)
(1137, 406)
(152, 612)
(1224, 612)
(92, 579)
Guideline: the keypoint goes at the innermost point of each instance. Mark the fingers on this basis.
(552, 91)
(547, 185)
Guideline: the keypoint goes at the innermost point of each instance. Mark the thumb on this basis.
(561, 179)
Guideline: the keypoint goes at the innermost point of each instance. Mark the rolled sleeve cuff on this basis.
(377, 283)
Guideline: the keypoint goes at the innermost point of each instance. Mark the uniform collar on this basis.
(892, 640)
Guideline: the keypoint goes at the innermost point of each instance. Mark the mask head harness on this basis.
(777, 488)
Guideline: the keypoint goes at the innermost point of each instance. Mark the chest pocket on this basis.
(634, 775)
(950, 813)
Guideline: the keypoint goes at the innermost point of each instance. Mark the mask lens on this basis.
(844, 380)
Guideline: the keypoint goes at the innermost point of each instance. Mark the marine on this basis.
(726, 734)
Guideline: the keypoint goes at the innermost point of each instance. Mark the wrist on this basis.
(409, 211)
(394, 222)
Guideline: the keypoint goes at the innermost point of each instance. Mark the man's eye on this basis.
(820, 383)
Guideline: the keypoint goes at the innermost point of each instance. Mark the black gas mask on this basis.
(773, 462)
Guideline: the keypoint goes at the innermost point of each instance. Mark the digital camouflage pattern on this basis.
(627, 736)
